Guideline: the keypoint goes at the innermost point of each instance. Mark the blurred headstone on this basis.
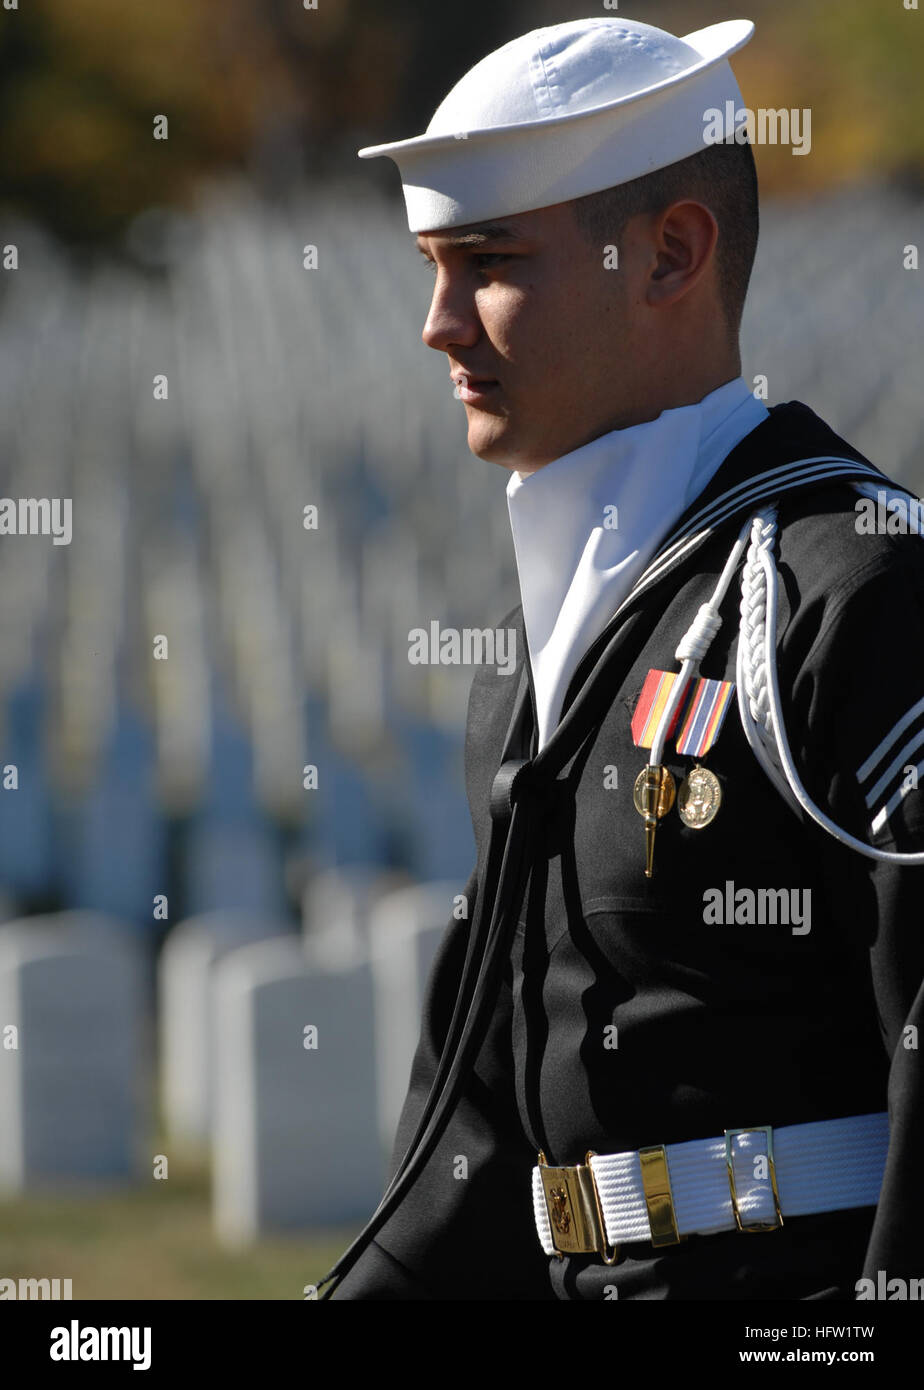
(73, 1092)
(405, 931)
(295, 1144)
(337, 906)
(185, 978)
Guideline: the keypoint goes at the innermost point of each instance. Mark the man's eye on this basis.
(483, 259)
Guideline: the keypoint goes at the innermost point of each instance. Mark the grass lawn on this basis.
(153, 1241)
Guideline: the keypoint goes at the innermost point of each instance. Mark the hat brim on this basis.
(715, 43)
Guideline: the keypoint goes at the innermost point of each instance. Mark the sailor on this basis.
(699, 837)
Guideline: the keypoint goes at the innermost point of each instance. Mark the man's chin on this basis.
(492, 439)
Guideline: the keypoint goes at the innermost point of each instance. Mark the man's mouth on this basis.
(474, 389)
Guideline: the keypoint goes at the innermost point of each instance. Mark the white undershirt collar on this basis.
(575, 566)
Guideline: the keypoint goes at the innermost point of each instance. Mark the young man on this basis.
(664, 940)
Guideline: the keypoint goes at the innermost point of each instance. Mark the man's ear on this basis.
(685, 237)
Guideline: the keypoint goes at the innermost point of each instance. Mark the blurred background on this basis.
(231, 811)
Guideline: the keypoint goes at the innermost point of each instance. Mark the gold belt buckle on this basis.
(575, 1214)
(730, 1134)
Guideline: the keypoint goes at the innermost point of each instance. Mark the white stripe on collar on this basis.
(755, 489)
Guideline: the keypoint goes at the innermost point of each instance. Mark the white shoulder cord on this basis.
(751, 664)
(758, 686)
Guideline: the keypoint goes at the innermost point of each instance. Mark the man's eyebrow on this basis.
(486, 231)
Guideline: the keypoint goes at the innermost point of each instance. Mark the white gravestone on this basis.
(73, 1095)
(185, 976)
(405, 931)
(338, 903)
(294, 1141)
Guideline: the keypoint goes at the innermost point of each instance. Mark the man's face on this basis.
(526, 305)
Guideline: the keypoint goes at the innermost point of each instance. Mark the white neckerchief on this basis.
(574, 566)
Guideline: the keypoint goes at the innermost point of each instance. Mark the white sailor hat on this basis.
(564, 111)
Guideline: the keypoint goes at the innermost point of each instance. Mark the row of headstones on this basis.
(287, 1056)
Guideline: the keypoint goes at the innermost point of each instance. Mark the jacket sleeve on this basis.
(465, 1230)
(860, 696)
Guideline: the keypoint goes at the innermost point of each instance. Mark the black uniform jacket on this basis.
(718, 1025)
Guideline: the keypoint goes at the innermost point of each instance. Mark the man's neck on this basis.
(672, 397)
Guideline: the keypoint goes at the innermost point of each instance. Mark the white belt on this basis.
(749, 1179)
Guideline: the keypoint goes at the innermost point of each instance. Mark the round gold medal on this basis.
(666, 796)
(699, 798)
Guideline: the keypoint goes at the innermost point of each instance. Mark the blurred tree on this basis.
(280, 92)
(276, 91)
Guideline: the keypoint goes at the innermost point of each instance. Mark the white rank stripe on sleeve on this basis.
(901, 776)
(901, 773)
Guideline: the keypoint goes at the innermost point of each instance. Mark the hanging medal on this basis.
(699, 798)
(700, 794)
(654, 790)
(653, 795)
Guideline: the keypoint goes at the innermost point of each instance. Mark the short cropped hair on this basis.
(724, 177)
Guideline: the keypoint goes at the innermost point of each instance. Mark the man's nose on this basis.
(452, 318)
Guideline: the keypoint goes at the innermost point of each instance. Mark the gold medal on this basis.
(699, 798)
(648, 778)
(653, 795)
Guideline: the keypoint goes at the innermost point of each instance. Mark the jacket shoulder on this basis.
(838, 538)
